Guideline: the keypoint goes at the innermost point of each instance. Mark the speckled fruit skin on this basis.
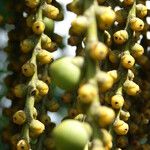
(70, 135)
(65, 73)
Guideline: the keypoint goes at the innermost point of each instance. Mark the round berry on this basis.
(127, 61)
(99, 51)
(137, 50)
(19, 117)
(44, 57)
(120, 37)
(87, 93)
(38, 27)
(121, 127)
(136, 24)
(22, 145)
(106, 116)
(117, 101)
(28, 69)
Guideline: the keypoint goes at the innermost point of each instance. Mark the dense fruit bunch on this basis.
(106, 84)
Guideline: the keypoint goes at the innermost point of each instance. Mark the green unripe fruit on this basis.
(70, 135)
(66, 72)
(49, 25)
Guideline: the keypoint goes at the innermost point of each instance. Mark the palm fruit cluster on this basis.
(30, 51)
(106, 85)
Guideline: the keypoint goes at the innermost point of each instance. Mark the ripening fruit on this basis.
(127, 61)
(36, 127)
(22, 145)
(87, 93)
(120, 16)
(19, 90)
(50, 11)
(113, 57)
(106, 116)
(30, 20)
(28, 69)
(53, 106)
(141, 10)
(136, 24)
(71, 134)
(79, 25)
(32, 3)
(117, 101)
(105, 81)
(45, 119)
(120, 37)
(99, 51)
(42, 87)
(27, 45)
(137, 50)
(128, 2)
(107, 138)
(38, 27)
(131, 88)
(121, 127)
(65, 73)
(19, 117)
(106, 17)
(113, 74)
(49, 25)
(46, 42)
(44, 57)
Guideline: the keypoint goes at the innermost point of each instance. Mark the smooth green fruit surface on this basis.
(49, 25)
(70, 135)
(65, 73)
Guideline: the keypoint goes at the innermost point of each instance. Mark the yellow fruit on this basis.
(46, 42)
(131, 88)
(19, 90)
(121, 127)
(141, 10)
(23, 145)
(38, 27)
(113, 74)
(127, 61)
(79, 25)
(113, 57)
(36, 127)
(42, 87)
(32, 3)
(50, 11)
(27, 45)
(136, 24)
(137, 50)
(99, 51)
(44, 57)
(87, 93)
(106, 116)
(105, 81)
(120, 37)
(19, 117)
(106, 17)
(28, 69)
(117, 101)
(107, 138)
